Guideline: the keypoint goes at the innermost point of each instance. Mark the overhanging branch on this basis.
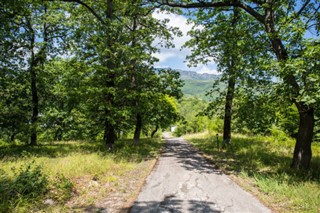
(86, 6)
(201, 4)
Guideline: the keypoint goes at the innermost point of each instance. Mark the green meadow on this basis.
(262, 166)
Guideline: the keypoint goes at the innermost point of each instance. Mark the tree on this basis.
(13, 78)
(192, 121)
(162, 110)
(118, 52)
(233, 45)
(143, 81)
(36, 34)
(284, 23)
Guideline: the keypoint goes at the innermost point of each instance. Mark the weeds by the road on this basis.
(263, 163)
(73, 176)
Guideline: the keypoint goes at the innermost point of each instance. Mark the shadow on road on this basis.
(188, 157)
(171, 204)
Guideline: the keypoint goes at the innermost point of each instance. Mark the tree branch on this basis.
(201, 4)
(299, 12)
(86, 6)
(313, 15)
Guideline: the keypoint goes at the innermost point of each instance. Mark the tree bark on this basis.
(110, 135)
(35, 106)
(302, 152)
(154, 131)
(36, 60)
(34, 90)
(231, 84)
(228, 110)
(137, 131)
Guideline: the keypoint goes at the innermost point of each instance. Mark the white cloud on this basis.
(174, 21)
(176, 57)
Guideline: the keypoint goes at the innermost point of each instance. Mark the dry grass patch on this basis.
(81, 176)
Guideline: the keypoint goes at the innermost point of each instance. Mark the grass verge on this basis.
(74, 176)
(262, 165)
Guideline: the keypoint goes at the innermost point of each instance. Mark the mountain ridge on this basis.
(187, 75)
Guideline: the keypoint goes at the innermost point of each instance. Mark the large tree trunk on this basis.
(228, 110)
(231, 83)
(302, 152)
(36, 60)
(137, 131)
(34, 91)
(110, 135)
(35, 107)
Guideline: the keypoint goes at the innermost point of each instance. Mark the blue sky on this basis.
(175, 58)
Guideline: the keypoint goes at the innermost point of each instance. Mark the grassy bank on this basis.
(262, 165)
(74, 176)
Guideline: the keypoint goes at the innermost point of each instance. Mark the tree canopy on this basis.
(85, 69)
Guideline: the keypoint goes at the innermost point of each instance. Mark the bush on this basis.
(180, 130)
(27, 184)
(278, 134)
(215, 125)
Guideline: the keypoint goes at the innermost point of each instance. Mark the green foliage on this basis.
(191, 122)
(199, 88)
(86, 76)
(264, 161)
(288, 119)
(316, 137)
(261, 115)
(25, 186)
(278, 134)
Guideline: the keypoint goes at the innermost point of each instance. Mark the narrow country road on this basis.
(183, 181)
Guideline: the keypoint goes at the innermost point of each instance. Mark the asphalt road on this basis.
(183, 181)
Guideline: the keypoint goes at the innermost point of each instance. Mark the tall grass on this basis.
(264, 163)
(70, 168)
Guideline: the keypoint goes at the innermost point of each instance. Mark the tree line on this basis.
(83, 70)
(74, 68)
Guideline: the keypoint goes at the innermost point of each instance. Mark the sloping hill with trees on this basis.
(196, 84)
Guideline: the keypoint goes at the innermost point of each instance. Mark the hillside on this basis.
(196, 84)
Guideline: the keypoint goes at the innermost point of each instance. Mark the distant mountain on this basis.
(188, 75)
(196, 84)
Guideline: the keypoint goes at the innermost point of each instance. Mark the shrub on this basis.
(27, 184)
(278, 134)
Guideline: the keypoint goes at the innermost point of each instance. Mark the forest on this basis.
(78, 78)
